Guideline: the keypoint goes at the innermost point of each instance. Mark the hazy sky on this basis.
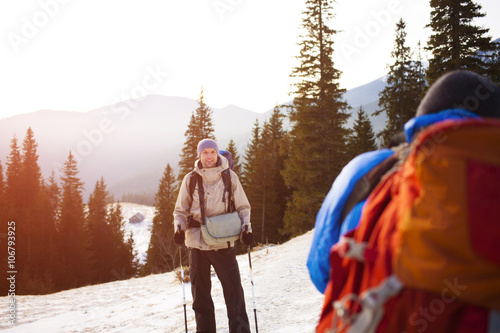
(81, 55)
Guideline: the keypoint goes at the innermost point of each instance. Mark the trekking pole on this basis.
(253, 294)
(183, 290)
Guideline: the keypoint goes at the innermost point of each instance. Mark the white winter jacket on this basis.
(214, 189)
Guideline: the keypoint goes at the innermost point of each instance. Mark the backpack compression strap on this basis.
(193, 179)
(226, 179)
(201, 193)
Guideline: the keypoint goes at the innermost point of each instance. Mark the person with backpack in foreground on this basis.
(213, 190)
(407, 238)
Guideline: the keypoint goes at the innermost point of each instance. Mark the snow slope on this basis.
(286, 300)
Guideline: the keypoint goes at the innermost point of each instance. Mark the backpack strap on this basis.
(201, 193)
(226, 179)
(195, 178)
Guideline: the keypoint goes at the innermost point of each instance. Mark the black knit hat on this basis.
(462, 90)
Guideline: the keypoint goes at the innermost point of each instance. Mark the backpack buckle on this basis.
(366, 310)
(350, 248)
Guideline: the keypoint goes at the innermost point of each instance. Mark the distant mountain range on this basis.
(131, 142)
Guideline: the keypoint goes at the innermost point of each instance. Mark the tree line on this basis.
(287, 168)
(60, 242)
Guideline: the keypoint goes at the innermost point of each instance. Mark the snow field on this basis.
(285, 298)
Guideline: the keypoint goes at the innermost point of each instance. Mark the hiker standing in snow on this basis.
(187, 217)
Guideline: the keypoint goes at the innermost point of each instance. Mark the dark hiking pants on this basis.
(226, 267)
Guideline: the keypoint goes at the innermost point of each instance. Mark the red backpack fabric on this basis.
(426, 255)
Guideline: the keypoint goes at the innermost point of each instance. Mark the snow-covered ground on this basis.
(286, 300)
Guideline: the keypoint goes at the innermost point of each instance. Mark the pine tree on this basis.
(252, 176)
(99, 233)
(262, 178)
(200, 127)
(318, 136)
(53, 193)
(123, 263)
(363, 139)
(161, 252)
(456, 42)
(249, 174)
(14, 181)
(112, 256)
(401, 96)
(416, 77)
(73, 241)
(204, 119)
(34, 279)
(275, 193)
(31, 172)
(14, 211)
(493, 62)
(48, 231)
(189, 152)
(132, 265)
(235, 156)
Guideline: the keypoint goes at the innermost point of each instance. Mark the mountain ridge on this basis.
(129, 143)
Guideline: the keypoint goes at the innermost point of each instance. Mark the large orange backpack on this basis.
(425, 256)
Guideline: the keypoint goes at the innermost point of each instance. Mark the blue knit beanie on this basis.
(207, 143)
